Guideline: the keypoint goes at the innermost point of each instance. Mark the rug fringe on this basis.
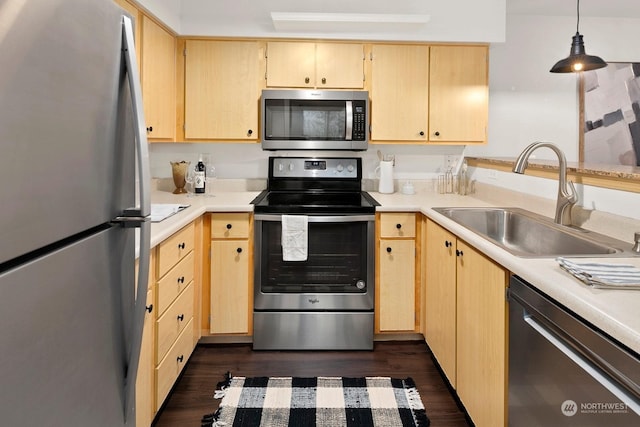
(413, 396)
(211, 420)
(226, 382)
(222, 386)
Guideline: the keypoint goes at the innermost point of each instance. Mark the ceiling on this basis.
(452, 20)
(598, 8)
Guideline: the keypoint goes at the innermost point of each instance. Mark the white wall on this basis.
(527, 103)
(249, 161)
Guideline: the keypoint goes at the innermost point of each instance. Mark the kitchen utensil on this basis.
(384, 173)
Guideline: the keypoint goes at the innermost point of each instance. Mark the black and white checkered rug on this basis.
(321, 401)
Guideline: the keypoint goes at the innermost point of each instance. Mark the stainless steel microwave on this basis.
(314, 120)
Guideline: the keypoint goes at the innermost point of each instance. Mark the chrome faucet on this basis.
(567, 195)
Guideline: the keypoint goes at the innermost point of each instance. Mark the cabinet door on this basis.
(230, 304)
(481, 339)
(145, 381)
(440, 290)
(222, 89)
(458, 94)
(145, 409)
(339, 66)
(291, 64)
(399, 92)
(158, 80)
(397, 285)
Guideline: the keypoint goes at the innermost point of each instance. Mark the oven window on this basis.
(305, 120)
(337, 259)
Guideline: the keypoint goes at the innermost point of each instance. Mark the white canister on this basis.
(384, 173)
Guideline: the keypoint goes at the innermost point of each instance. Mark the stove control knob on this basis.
(291, 167)
(360, 284)
(339, 168)
(280, 167)
(350, 168)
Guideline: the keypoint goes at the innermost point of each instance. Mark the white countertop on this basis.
(236, 201)
(613, 311)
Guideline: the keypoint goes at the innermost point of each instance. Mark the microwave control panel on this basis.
(359, 120)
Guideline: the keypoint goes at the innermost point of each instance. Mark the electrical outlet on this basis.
(492, 174)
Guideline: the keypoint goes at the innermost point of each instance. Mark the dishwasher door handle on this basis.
(584, 364)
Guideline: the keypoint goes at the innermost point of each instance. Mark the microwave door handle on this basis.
(348, 134)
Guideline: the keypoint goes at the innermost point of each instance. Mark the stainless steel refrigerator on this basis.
(73, 201)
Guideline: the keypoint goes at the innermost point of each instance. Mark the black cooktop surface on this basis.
(314, 202)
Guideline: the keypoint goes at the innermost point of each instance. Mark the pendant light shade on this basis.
(578, 60)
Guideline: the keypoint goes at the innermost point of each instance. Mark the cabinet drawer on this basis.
(171, 366)
(175, 248)
(230, 226)
(173, 322)
(174, 282)
(398, 224)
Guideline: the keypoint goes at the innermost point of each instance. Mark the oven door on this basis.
(337, 275)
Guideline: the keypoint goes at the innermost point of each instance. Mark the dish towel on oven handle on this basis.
(603, 275)
(294, 237)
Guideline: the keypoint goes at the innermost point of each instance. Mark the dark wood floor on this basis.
(192, 396)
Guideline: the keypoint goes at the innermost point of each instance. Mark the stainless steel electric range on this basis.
(324, 299)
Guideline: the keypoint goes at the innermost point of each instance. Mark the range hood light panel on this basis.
(347, 22)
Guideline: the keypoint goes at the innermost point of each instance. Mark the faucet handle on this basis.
(636, 243)
(573, 196)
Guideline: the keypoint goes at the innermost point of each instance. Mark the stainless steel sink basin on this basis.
(526, 234)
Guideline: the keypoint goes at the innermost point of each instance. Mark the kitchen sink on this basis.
(527, 234)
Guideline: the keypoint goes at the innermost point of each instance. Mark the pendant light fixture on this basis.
(578, 60)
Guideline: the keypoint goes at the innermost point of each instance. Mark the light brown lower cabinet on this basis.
(231, 285)
(176, 290)
(145, 381)
(396, 272)
(440, 297)
(466, 323)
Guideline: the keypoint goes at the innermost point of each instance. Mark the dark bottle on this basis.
(200, 177)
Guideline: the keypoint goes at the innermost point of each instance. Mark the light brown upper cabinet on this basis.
(158, 65)
(222, 89)
(458, 95)
(429, 94)
(315, 65)
(399, 92)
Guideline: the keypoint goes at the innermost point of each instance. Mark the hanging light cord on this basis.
(578, 15)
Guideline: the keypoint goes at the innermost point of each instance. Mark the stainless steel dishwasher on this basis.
(562, 370)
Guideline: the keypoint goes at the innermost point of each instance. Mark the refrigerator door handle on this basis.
(139, 216)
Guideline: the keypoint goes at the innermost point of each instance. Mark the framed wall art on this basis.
(610, 115)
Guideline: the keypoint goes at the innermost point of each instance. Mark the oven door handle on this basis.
(320, 218)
